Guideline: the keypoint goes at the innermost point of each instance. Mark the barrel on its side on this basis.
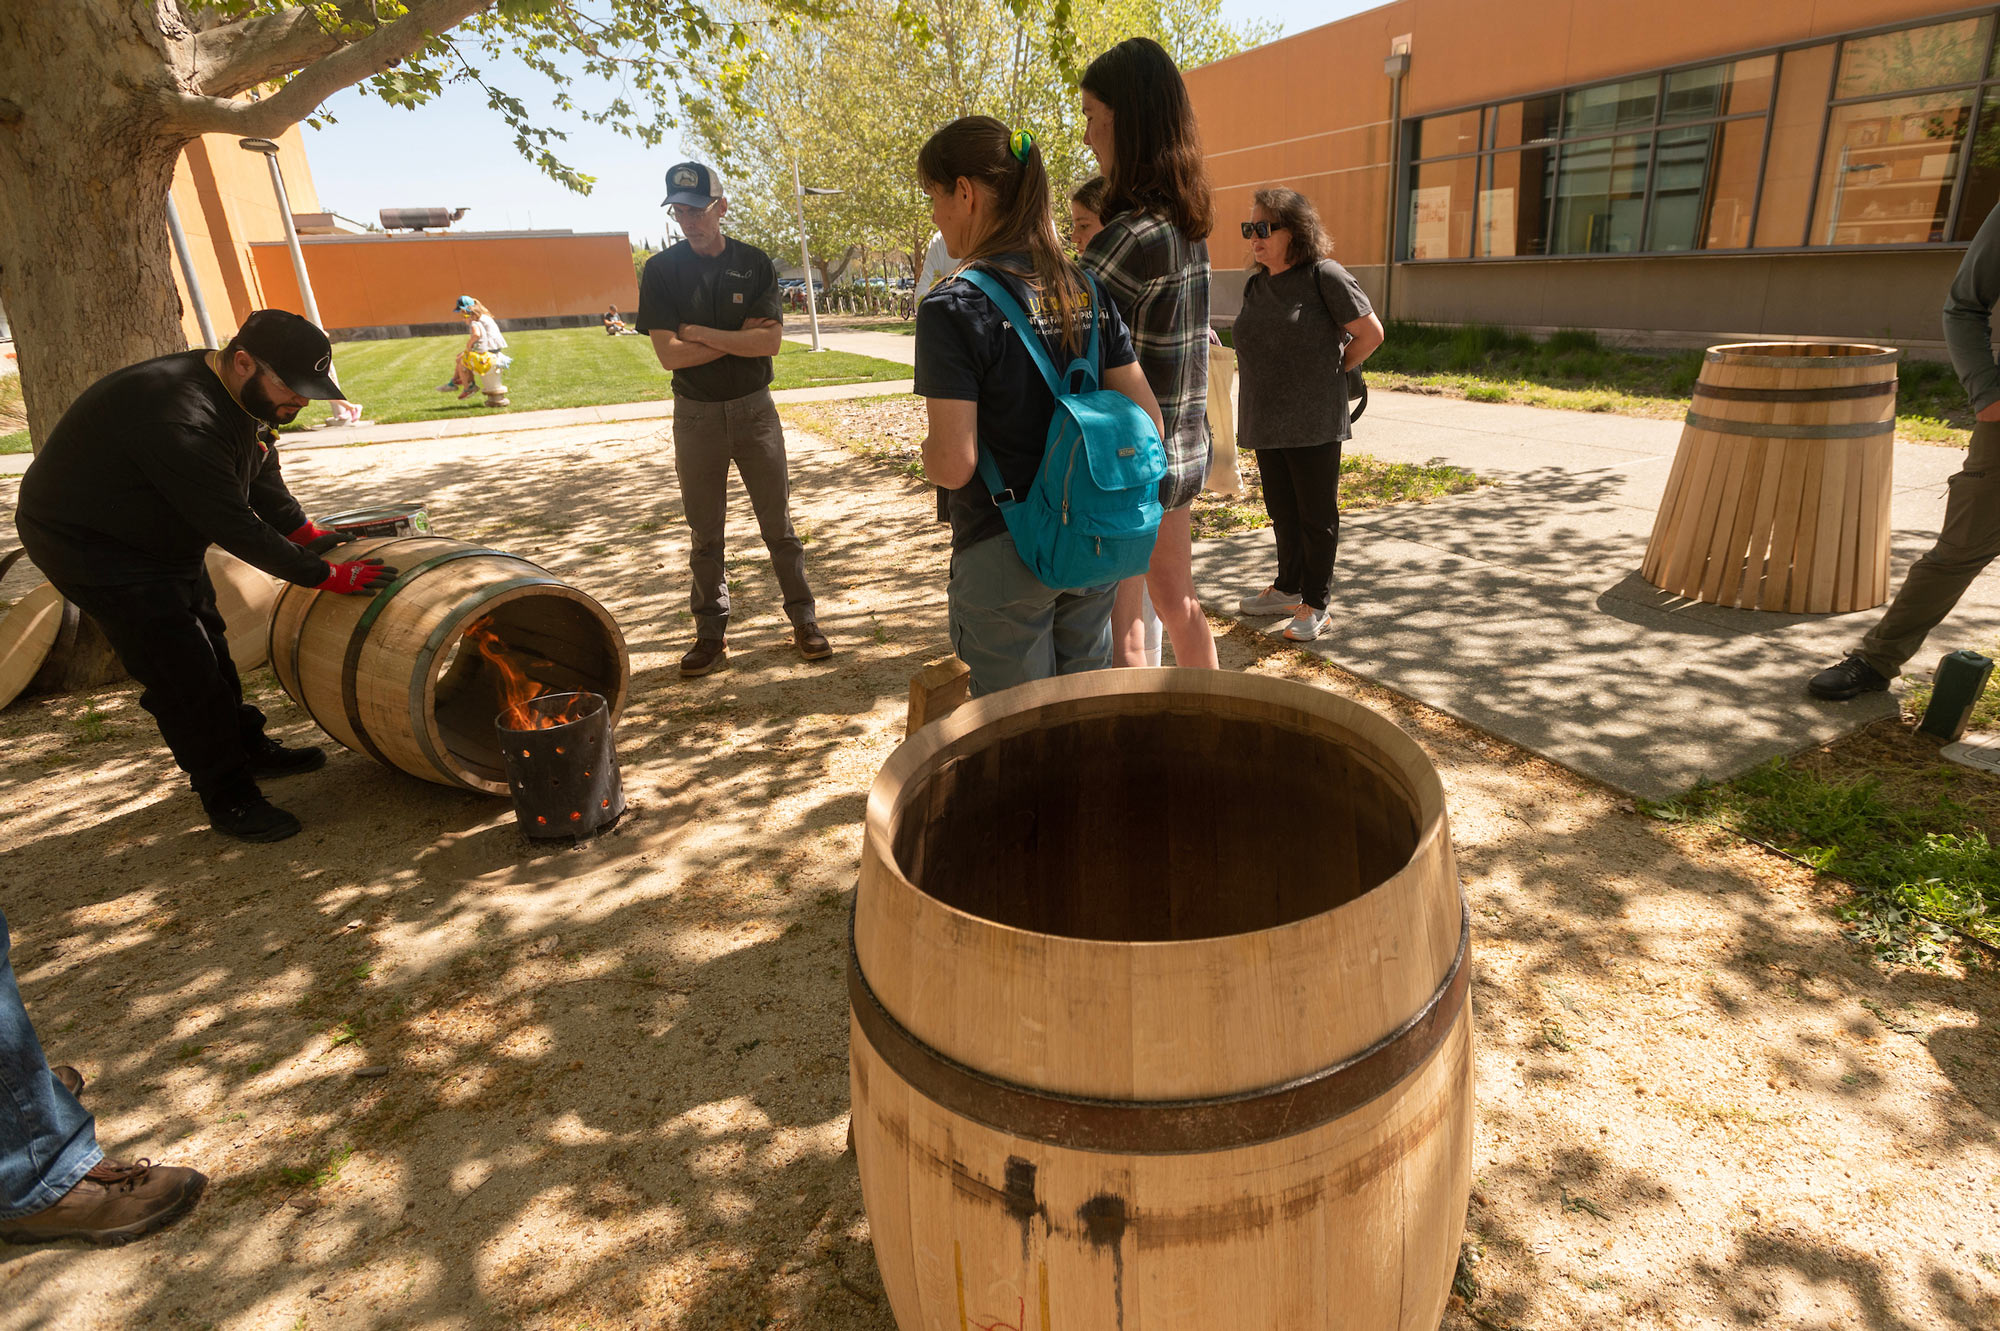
(393, 675)
(245, 596)
(1779, 494)
(1116, 1060)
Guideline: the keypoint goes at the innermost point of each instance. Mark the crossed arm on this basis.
(694, 344)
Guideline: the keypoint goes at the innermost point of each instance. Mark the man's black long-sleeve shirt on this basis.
(150, 466)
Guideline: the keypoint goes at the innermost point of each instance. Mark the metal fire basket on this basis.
(564, 773)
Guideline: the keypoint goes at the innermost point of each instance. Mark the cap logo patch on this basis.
(323, 364)
(686, 177)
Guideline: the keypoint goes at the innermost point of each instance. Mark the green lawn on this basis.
(564, 367)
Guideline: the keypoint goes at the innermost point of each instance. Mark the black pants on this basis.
(169, 635)
(1302, 495)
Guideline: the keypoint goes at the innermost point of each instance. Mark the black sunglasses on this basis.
(1261, 230)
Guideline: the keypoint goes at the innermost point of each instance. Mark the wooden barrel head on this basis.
(245, 596)
(27, 631)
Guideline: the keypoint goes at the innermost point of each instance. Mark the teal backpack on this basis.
(1091, 514)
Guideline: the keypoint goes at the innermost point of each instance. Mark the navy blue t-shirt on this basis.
(968, 353)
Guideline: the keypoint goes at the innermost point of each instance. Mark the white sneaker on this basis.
(1270, 601)
(1307, 624)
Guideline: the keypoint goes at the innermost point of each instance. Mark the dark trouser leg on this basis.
(250, 722)
(757, 443)
(1966, 544)
(1315, 484)
(169, 636)
(701, 460)
(1281, 502)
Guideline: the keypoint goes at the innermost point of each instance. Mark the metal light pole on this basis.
(187, 272)
(799, 193)
(270, 151)
(1396, 66)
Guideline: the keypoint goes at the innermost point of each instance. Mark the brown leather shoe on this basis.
(71, 1079)
(812, 644)
(707, 654)
(112, 1204)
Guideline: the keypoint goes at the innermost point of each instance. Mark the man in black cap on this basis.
(150, 466)
(710, 304)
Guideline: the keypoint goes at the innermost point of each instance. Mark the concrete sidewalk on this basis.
(1520, 607)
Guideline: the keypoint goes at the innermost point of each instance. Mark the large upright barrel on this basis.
(394, 675)
(1779, 494)
(1160, 1013)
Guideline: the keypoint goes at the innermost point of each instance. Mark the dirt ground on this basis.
(613, 1078)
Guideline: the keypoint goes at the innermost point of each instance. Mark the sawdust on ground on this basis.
(615, 1088)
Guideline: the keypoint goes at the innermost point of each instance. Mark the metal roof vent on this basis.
(418, 219)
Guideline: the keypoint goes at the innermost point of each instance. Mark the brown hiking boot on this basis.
(707, 654)
(112, 1204)
(812, 644)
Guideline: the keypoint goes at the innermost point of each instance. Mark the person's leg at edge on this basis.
(1171, 581)
(1002, 619)
(1082, 629)
(757, 443)
(701, 462)
(1967, 542)
(1281, 504)
(1128, 624)
(48, 1141)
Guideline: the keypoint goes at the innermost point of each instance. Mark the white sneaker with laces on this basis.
(1307, 624)
(1270, 601)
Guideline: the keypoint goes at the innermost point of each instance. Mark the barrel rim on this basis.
(924, 750)
(1838, 356)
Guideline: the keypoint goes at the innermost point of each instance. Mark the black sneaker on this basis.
(1850, 679)
(246, 815)
(270, 758)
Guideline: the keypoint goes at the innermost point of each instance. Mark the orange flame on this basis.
(515, 687)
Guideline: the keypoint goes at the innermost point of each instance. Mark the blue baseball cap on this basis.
(692, 184)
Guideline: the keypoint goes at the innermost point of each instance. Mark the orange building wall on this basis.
(1311, 111)
(389, 281)
(226, 205)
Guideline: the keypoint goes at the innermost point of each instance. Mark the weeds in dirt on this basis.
(93, 725)
(345, 1032)
(319, 1175)
(1554, 1037)
(1577, 1202)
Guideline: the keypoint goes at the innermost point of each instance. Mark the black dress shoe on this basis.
(1850, 679)
(270, 758)
(245, 814)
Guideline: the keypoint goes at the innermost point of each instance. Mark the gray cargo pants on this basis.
(1967, 543)
(708, 436)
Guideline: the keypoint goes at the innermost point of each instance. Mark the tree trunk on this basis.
(86, 164)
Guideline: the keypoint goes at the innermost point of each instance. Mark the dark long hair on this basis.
(1156, 162)
(1295, 213)
(979, 149)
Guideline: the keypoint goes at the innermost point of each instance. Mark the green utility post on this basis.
(1961, 677)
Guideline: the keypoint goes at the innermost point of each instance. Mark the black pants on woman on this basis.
(1302, 495)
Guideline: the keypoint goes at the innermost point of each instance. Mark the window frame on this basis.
(1987, 84)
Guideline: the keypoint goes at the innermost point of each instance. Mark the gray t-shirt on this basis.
(1288, 340)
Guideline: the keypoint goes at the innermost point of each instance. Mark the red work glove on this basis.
(358, 577)
(319, 539)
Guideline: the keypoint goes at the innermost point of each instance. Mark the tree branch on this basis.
(313, 84)
(234, 57)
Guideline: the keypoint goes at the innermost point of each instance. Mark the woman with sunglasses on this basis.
(1152, 260)
(1305, 322)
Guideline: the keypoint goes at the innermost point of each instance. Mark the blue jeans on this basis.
(1009, 628)
(47, 1140)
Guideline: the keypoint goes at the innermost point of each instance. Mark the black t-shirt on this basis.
(682, 287)
(150, 466)
(967, 352)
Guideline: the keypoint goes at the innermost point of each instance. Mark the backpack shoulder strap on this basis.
(1010, 310)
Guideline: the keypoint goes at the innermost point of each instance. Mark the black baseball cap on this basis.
(295, 349)
(692, 184)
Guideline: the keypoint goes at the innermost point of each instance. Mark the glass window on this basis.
(1719, 90)
(1514, 207)
(1441, 198)
(1446, 136)
(1937, 56)
(1531, 121)
(1611, 106)
(1982, 178)
(1889, 170)
(1796, 124)
(1704, 186)
(1601, 196)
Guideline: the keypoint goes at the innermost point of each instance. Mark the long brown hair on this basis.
(1156, 161)
(980, 149)
(1294, 212)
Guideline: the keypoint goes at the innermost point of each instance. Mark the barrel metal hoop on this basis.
(419, 718)
(1759, 429)
(1837, 393)
(350, 665)
(1801, 362)
(1164, 1127)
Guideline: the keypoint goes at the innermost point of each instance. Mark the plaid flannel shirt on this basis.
(1159, 282)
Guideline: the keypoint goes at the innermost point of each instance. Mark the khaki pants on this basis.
(1967, 543)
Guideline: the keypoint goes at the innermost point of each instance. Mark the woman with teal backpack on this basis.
(1014, 316)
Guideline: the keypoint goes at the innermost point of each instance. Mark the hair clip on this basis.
(1020, 143)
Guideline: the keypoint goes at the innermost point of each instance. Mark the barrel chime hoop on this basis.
(1164, 1127)
(1763, 430)
(419, 714)
(350, 665)
(1801, 362)
(1837, 393)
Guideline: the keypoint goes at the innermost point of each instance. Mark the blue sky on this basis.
(457, 153)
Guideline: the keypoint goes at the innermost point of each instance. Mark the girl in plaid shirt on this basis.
(1152, 260)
